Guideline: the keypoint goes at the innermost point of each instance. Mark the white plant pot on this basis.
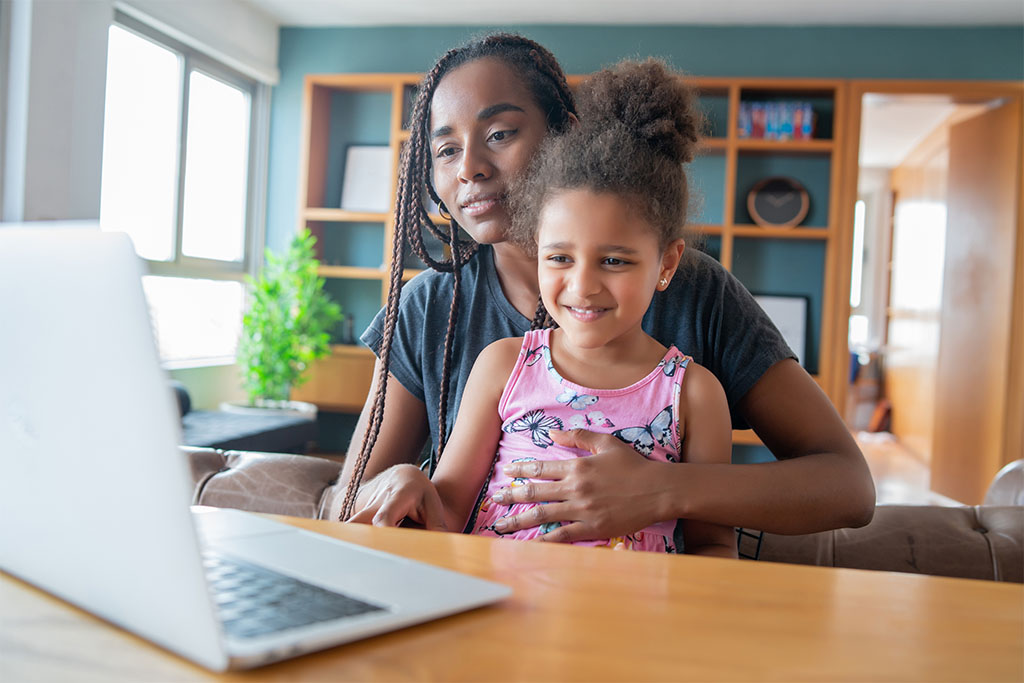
(263, 407)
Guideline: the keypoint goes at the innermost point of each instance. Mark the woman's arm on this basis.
(393, 487)
(470, 452)
(705, 437)
(403, 430)
(820, 481)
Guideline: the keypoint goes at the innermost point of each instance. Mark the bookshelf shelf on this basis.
(365, 109)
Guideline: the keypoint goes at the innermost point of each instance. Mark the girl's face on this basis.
(599, 264)
(484, 128)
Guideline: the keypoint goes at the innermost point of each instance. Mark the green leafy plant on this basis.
(288, 323)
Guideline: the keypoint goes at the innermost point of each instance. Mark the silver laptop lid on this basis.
(82, 402)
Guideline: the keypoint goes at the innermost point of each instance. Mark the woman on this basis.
(483, 110)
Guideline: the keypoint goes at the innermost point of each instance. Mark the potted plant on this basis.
(286, 327)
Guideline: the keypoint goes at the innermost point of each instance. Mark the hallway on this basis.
(901, 478)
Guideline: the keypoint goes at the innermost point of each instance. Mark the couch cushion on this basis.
(297, 485)
(965, 542)
(1008, 486)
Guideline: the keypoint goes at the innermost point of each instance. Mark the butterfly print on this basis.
(576, 401)
(549, 527)
(542, 351)
(594, 417)
(534, 355)
(669, 367)
(643, 438)
(538, 424)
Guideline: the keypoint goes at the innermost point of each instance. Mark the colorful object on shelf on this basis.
(781, 120)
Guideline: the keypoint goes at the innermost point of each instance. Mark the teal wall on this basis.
(825, 52)
(969, 54)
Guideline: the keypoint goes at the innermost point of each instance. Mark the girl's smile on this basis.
(586, 314)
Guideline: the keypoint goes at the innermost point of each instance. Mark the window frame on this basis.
(189, 60)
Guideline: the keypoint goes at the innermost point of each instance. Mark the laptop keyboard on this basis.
(253, 601)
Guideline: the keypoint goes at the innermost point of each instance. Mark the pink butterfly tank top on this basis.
(537, 400)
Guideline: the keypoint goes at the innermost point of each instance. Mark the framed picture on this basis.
(367, 183)
(789, 313)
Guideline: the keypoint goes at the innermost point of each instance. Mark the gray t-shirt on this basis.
(705, 312)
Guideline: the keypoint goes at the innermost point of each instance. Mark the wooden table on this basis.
(585, 614)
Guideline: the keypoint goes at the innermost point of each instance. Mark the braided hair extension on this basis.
(545, 79)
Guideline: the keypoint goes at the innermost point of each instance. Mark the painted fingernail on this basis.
(499, 496)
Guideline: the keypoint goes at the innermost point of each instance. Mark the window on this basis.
(179, 152)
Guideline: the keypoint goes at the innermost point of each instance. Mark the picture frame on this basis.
(367, 179)
(789, 313)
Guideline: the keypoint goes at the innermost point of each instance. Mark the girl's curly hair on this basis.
(639, 123)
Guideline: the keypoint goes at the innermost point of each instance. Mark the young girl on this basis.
(482, 112)
(603, 209)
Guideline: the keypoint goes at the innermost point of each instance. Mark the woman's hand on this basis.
(397, 493)
(613, 492)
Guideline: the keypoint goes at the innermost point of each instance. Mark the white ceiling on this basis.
(652, 12)
(892, 126)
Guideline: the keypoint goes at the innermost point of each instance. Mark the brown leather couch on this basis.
(977, 542)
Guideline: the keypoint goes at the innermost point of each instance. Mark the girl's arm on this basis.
(469, 454)
(394, 488)
(706, 437)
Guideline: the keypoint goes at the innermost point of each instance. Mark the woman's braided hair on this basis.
(542, 74)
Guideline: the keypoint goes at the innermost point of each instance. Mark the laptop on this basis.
(94, 491)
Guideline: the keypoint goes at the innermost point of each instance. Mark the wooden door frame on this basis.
(1013, 441)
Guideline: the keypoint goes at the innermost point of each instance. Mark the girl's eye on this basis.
(558, 258)
(612, 261)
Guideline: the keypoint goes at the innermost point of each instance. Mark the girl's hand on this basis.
(400, 492)
(611, 493)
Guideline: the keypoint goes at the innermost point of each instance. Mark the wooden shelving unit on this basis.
(342, 109)
(354, 246)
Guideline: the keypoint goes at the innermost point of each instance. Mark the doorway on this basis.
(935, 298)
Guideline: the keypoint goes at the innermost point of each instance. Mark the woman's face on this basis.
(484, 128)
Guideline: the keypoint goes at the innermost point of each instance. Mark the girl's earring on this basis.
(663, 283)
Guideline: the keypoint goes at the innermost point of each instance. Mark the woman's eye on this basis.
(445, 152)
(500, 135)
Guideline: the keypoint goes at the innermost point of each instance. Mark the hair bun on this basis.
(650, 101)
